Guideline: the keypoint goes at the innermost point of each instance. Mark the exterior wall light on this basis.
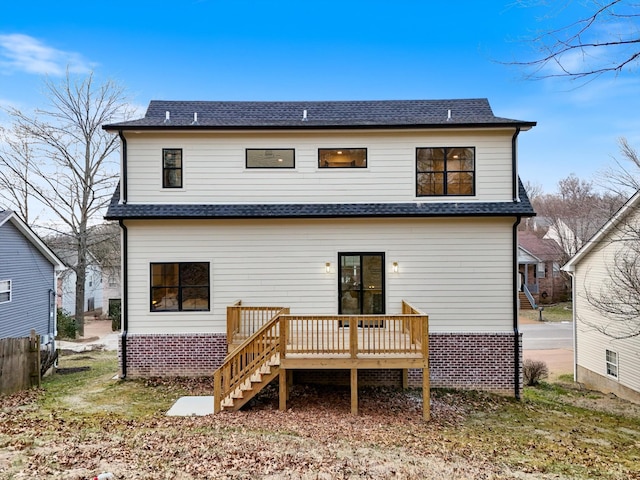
(327, 267)
(395, 267)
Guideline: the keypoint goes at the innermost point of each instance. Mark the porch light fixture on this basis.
(395, 267)
(327, 267)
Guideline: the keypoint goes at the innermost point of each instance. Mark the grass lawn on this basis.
(558, 312)
(84, 423)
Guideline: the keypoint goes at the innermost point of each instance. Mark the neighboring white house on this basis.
(603, 362)
(345, 207)
(101, 288)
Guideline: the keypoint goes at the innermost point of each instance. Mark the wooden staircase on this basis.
(249, 368)
(525, 304)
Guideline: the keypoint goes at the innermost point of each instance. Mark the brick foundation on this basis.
(481, 361)
(165, 355)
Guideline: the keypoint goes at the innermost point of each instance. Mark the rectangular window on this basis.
(274, 158)
(180, 287)
(172, 168)
(5, 291)
(445, 171)
(612, 363)
(342, 157)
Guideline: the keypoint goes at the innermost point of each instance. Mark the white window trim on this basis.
(6, 290)
(614, 364)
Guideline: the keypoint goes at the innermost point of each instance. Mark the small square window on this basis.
(5, 291)
(612, 363)
(172, 168)
(270, 158)
(445, 171)
(342, 158)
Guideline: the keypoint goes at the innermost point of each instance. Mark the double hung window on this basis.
(172, 168)
(612, 363)
(5, 291)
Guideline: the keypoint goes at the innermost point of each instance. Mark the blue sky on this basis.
(328, 50)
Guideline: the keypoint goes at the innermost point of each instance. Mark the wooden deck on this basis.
(288, 342)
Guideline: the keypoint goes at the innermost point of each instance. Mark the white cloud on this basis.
(23, 53)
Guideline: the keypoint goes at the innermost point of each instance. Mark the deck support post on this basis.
(354, 391)
(426, 387)
(283, 391)
(217, 392)
(405, 378)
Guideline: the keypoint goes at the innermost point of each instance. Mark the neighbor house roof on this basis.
(319, 210)
(629, 207)
(23, 228)
(190, 115)
(545, 249)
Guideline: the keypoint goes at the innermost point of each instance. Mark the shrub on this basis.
(115, 313)
(533, 371)
(66, 325)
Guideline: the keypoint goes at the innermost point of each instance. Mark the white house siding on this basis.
(92, 289)
(459, 271)
(214, 166)
(591, 273)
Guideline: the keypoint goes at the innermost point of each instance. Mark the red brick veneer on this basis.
(482, 361)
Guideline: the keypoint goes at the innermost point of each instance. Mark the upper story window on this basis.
(5, 291)
(342, 157)
(445, 171)
(271, 158)
(179, 286)
(172, 168)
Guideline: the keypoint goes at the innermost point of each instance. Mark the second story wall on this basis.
(214, 170)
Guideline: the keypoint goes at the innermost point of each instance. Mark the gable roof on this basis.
(456, 113)
(118, 211)
(545, 249)
(629, 207)
(23, 228)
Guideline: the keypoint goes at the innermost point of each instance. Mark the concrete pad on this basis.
(191, 406)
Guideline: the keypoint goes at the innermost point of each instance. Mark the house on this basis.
(539, 261)
(28, 270)
(101, 288)
(350, 215)
(606, 319)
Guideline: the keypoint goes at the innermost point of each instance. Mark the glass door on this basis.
(361, 284)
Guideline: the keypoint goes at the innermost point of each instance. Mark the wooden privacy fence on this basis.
(19, 363)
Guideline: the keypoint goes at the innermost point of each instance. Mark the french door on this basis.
(361, 284)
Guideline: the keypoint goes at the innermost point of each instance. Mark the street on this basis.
(547, 336)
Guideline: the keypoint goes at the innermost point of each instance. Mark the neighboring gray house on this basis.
(28, 270)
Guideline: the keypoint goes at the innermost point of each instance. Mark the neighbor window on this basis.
(172, 168)
(342, 157)
(273, 158)
(179, 286)
(445, 171)
(5, 291)
(612, 363)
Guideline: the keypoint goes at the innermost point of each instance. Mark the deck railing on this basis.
(353, 335)
(243, 321)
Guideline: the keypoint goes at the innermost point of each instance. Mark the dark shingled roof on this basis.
(118, 211)
(320, 114)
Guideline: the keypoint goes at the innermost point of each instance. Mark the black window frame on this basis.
(166, 170)
(445, 172)
(275, 167)
(180, 288)
(346, 165)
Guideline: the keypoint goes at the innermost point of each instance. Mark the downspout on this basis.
(572, 274)
(514, 165)
(516, 332)
(124, 306)
(123, 182)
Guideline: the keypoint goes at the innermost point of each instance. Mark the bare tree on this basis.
(74, 178)
(623, 178)
(605, 40)
(14, 188)
(575, 213)
(618, 298)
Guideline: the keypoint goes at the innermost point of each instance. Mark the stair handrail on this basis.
(526, 291)
(251, 354)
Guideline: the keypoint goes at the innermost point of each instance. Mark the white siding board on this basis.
(591, 272)
(214, 167)
(459, 272)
